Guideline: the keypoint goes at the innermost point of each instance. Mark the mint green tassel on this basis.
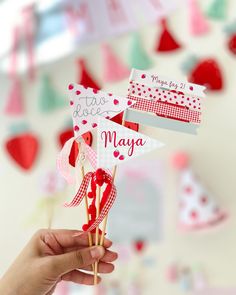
(49, 98)
(217, 9)
(231, 28)
(189, 64)
(138, 58)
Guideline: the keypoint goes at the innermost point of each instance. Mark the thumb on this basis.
(77, 259)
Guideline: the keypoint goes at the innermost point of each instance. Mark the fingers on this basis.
(69, 238)
(77, 259)
(79, 277)
(109, 256)
(102, 267)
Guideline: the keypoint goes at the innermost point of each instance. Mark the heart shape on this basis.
(84, 122)
(129, 102)
(76, 128)
(116, 101)
(143, 76)
(121, 157)
(23, 149)
(78, 92)
(94, 125)
(71, 87)
(116, 153)
(71, 103)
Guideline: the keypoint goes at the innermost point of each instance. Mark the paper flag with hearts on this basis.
(89, 104)
(164, 103)
(117, 144)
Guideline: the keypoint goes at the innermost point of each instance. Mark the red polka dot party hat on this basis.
(198, 208)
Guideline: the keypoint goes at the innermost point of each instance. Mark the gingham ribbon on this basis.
(82, 192)
(165, 109)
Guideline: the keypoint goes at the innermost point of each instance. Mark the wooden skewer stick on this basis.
(113, 178)
(98, 197)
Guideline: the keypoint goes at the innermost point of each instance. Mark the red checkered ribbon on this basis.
(165, 109)
(83, 191)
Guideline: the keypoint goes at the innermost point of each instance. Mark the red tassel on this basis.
(166, 42)
(85, 78)
(14, 104)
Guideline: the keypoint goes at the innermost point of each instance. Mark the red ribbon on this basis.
(99, 177)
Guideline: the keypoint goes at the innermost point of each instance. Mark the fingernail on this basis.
(97, 252)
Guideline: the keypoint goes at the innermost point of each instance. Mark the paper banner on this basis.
(155, 9)
(155, 80)
(89, 104)
(117, 144)
(117, 17)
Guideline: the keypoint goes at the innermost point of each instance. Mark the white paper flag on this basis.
(117, 144)
(89, 104)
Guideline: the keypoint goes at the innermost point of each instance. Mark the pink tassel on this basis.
(198, 23)
(29, 29)
(114, 69)
(14, 104)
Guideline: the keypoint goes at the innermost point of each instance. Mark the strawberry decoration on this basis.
(230, 30)
(166, 42)
(232, 44)
(23, 149)
(208, 73)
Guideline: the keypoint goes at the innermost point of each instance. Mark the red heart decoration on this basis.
(64, 136)
(116, 153)
(232, 44)
(207, 73)
(84, 122)
(139, 245)
(116, 101)
(121, 157)
(23, 149)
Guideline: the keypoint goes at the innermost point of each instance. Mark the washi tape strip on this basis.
(155, 80)
(174, 97)
(167, 110)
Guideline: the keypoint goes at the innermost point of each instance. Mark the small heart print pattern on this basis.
(94, 125)
(116, 101)
(121, 157)
(155, 94)
(116, 153)
(84, 122)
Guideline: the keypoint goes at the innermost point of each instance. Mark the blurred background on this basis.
(45, 45)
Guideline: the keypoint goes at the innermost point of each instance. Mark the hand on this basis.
(52, 256)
